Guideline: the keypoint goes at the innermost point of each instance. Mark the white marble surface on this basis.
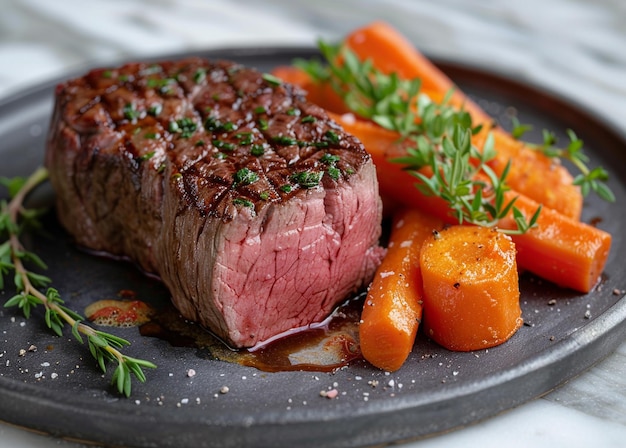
(575, 47)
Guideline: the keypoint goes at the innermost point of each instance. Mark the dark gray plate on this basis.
(58, 389)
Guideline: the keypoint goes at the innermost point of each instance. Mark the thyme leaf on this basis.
(437, 137)
(14, 258)
(589, 179)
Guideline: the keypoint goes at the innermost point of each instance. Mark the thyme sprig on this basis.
(435, 135)
(588, 179)
(14, 219)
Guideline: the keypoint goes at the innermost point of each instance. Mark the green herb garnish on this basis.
(438, 135)
(271, 79)
(430, 129)
(146, 156)
(244, 202)
(257, 150)
(199, 76)
(221, 144)
(130, 112)
(184, 126)
(155, 109)
(284, 140)
(14, 257)
(307, 179)
(263, 124)
(329, 159)
(245, 177)
(332, 137)
(588, 179)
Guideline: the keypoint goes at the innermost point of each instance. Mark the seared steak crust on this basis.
(257, 211)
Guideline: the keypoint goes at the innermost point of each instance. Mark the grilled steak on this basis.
(257, 211)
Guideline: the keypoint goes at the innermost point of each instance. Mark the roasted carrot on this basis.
(531, 173)
(565, 251)
(391, 52)
(471, 288)
(535, 175)
(393, 307)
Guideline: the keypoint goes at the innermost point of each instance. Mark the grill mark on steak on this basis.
(206, 174)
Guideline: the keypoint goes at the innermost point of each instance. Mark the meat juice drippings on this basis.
(323, 347)
(326, 347)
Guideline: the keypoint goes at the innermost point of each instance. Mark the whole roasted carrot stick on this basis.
(562, 250)
(391, 52)
(532, 173)
(393, 307)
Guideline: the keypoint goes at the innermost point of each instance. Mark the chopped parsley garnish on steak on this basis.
(160, 83)
(214, 125)
(284, 140)
(130, 112)
(329, 159)
(185, 127)
(271, 79)
(244, 202)
(245, 138)
(308, 119)
(332, 137)
(221, 144)
(257, 150)
(245, 177)
(307, 179)
(333, 172)
(155, 109)
(263, 124)
(199, 76)
(146, 156)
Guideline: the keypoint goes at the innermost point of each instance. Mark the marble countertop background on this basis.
(576, 48)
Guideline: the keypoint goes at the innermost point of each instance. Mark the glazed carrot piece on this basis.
(562, 250)
(393, 308)
(471, 288)
(565, 251)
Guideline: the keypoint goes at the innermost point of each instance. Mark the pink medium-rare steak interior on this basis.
(256, 210)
